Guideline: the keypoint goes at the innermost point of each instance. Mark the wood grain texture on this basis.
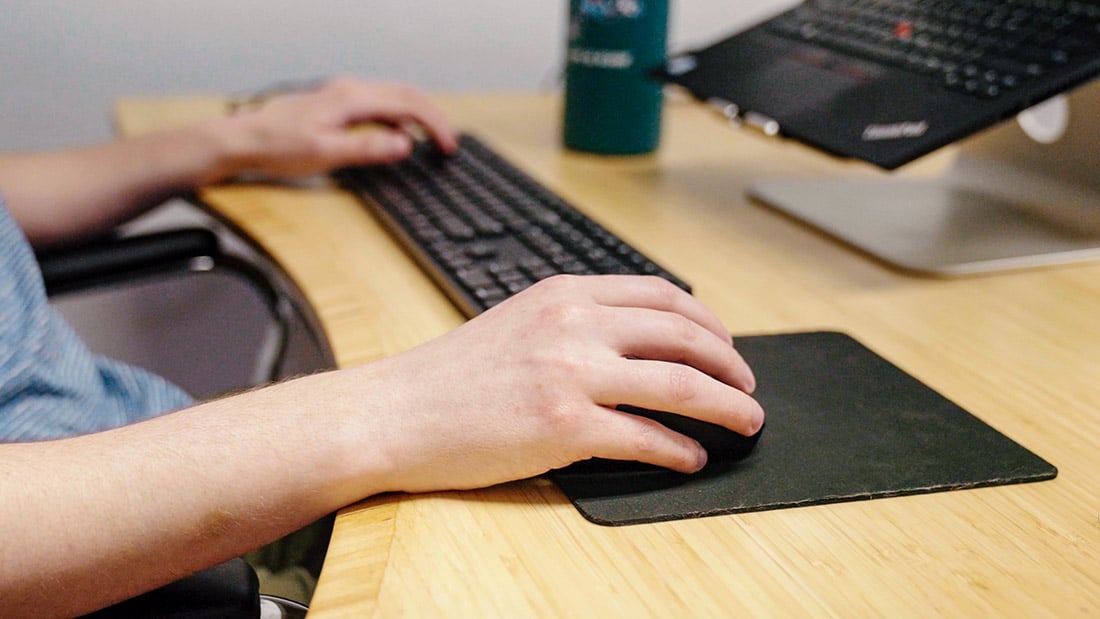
(1019, 350)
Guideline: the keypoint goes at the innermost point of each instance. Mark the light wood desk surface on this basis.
(1019, 350)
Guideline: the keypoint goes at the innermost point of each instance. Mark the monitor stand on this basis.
(1006, 202)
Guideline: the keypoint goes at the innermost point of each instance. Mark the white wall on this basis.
(63, 61)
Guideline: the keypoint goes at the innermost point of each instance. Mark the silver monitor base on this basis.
(1007, 202)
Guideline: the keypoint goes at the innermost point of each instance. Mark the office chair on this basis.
(117, 262)
(229, 590)
(226, 591)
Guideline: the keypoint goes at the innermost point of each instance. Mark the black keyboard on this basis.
(483, 229)
(978, 47)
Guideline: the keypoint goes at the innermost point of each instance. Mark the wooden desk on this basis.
(1021, 351)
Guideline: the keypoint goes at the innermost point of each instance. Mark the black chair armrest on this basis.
(228, 590)
(107, 261)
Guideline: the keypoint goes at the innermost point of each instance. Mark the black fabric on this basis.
(226, 591)
(843, 424)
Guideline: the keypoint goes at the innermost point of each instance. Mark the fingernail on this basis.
(701, 461)
(757, 420)
(751, 386)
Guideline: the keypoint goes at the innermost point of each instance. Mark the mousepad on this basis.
(843, 424)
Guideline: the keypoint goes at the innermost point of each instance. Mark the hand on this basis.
(532, 385)
(343, 122)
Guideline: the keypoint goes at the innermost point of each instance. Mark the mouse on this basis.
(724, 446)
(721, 443)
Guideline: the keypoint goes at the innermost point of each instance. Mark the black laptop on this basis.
(888, 81)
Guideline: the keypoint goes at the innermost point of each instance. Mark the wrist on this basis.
(339, 433)
(230, 148)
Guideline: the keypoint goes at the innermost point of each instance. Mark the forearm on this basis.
(65, 194)
(114, 514)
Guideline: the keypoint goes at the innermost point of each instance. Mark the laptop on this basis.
(887, 81)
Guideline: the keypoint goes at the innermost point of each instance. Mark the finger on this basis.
(653, 292)
(621, 436)
(373, 146)
(668, 336)
(676, 388)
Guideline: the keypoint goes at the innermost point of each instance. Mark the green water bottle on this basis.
(612, 107)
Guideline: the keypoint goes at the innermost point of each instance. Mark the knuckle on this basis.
(396, 91)
(685, 329)
(557, 314)
(664, 290)
(564, 369)
(558, 285)
(647, 440)
(563, 314)
(313, 149)
(558, 416)
(651, 444)
(406, 91)
(341, 84)
(681, 384)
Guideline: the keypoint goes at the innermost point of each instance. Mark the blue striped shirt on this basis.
(51, 385)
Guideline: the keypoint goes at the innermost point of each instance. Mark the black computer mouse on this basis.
(722, 444)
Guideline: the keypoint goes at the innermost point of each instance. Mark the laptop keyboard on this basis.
(483, 229)
(982, 48)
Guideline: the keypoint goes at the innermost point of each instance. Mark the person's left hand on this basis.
(345, 121)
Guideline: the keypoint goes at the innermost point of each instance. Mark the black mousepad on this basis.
(843, 424)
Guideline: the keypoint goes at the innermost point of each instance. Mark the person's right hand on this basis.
(533, 383)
